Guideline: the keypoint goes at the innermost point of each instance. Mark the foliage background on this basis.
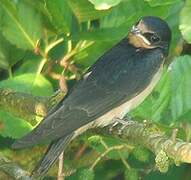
(36, 35)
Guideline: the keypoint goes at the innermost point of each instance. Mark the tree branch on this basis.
(13, 170)
(26, 105)
(153, 139)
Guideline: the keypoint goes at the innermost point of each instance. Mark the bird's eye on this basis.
(151, 37)
(154, 38)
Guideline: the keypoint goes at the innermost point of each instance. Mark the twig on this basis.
(60, 167)
(80, 151)
(63, 84)
(105, 153)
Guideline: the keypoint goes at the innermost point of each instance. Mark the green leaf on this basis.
(84, 10)
(21, 24)
(102, 39)
(11, 126)
(40, 7)
(9, 54)
(171, 98)
(185, 25)
(60, 14)
(89, 55)
(162, 98)
(103, 5)
(102, 34)
(1, 17)
(154, 3)
(29, 83)
(86, 174)
(174, 24)
(120, 14)
(180, 73)
(131, 174)
(30, 65)
(96, 142)
(141, 154)
(156, 104)
(82, 174)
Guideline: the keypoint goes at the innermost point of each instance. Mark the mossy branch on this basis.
(26, 105)
(153, 139)
(12, 169)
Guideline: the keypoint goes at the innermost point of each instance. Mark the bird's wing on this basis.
(116, 77)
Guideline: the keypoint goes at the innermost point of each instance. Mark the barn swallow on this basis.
(117, 83)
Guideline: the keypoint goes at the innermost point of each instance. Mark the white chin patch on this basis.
(144, 39)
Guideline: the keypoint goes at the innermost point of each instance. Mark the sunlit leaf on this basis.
(21, 24)
(185, 25)
(12, 126)
(119, 15)
(85, 11)
(29, 83)
(180, 73)
(9, 54)
(128, 12)
(60, 14)
(89, 55)
(161, 2)
(106, 4)
(174, 23)
(103, 34)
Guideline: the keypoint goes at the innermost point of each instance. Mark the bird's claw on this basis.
(124, 122)
(124, 125)
(112, 126)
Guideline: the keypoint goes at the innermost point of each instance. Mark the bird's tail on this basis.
(51, 155)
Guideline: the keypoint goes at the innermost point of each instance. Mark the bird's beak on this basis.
(135, 30)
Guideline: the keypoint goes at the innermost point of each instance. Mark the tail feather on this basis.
(51, 155)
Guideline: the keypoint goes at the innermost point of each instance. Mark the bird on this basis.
(115, 84)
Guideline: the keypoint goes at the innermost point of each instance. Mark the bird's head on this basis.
(150, 32)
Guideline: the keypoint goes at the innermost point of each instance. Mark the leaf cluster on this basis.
(49, 41)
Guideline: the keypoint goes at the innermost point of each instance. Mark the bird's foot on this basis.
(125, 122)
